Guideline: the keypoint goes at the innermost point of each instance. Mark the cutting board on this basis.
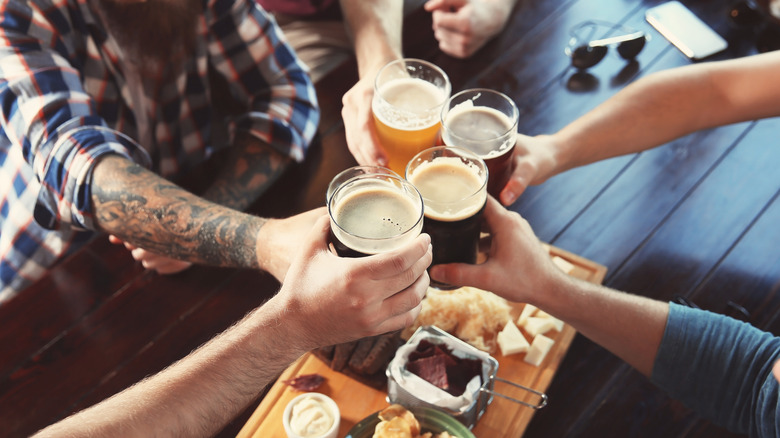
(503, 418)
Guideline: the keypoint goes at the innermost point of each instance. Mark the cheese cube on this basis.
(535, 325)
(563, 264)
(511, 340)
(558, 322)
(538, 350)
(527, 311)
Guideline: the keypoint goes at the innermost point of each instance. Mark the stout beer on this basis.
(452, 182)
(374, 213)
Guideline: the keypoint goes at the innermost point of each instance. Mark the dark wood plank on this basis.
(55, 304)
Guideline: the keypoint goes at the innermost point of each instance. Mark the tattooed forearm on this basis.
(251, 169)
(152, 213)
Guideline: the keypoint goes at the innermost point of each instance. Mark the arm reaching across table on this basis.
(650, 112)
(324, 300)
(718, 366)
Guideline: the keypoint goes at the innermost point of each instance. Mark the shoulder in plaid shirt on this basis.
(63, 104)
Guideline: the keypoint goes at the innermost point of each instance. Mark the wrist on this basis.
(267, 250)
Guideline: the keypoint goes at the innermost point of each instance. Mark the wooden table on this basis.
(357, 400)
(695, 219)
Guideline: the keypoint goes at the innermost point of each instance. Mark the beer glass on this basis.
(485, 122)
(408, 98)
(374, 213)
(453, 184)
(352, 172)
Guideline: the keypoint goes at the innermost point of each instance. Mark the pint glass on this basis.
(485, 122)
(408, 98)
(374, 213)
(453, 184)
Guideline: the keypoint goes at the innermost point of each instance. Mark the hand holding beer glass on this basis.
(453, 185)
(374, 213)
(485, 122)
(408, 98)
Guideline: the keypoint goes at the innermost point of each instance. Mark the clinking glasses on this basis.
(585, 52)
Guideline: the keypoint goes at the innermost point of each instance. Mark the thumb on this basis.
(457, 274)
(318, 237)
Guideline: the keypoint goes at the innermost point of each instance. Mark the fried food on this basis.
(472, 315)
(399, 422)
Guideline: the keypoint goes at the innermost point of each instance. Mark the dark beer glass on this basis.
(453, 184)
(374, 213)
(483, 121)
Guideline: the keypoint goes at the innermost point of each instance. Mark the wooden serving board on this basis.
(356, 400)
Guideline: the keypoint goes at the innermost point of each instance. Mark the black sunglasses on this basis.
(585, 52)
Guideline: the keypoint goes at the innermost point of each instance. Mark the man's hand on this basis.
(533, 162)
(280, 240)
(330, 299)
(150, 260)
(517, 267)
(359, 124)
(463, 26)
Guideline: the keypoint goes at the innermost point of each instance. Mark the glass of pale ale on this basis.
(483, 121)
(453, 185)
(373, 213)
(408, 98)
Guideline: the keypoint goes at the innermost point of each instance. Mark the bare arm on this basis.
(325, 300)
(520, 269)
(670, 104)
(650, 112)
(150, 212)
(375, 28)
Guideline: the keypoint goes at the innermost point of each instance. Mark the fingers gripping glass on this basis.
(585, 51)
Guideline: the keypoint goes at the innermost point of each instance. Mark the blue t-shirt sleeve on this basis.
(722, 369)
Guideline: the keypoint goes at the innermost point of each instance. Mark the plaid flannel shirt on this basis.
(64, 103)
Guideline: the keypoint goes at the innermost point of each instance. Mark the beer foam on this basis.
(451, 189)
(409, 103)
(473, 127)
(368, 216)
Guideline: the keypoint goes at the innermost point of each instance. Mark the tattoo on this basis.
(150, 212)
(251, 169)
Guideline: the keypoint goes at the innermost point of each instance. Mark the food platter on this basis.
(358, 400)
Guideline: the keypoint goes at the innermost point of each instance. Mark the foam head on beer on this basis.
(452, 188)
(371, 214)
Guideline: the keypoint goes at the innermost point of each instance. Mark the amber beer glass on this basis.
(374, 213)
(483, 121)
(453, 184)
(408, 98)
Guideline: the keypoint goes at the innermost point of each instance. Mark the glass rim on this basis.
(428, 64)
(381, 170)
(513, 105)
(403, 182)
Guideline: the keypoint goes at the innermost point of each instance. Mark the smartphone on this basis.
(685, 30)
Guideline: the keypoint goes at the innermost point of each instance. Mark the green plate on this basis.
(431, 420)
